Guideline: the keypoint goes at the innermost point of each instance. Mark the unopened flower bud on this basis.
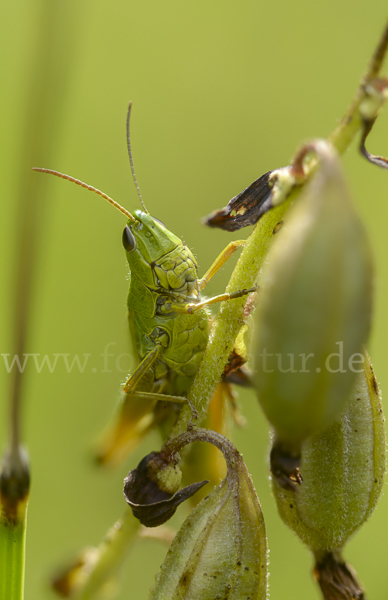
(220, 550)
(343, 470)
(14, 489)
(314, 307)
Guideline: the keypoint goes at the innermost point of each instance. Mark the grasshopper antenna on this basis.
(88, 187)
(131, 160)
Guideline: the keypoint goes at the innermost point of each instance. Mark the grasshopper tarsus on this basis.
(220, 261)
(192, 308)
(243, 293)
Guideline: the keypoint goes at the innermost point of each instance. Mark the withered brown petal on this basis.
(285, 465)
(244, 209)
(157, 513)
(240, 376)
(337, 580)
(235, 372)
(379, 161)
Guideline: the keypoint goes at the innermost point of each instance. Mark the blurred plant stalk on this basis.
(50, 64)
(82, 580)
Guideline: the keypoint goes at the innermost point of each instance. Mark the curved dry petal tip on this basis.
(157, 513)
(379, 161)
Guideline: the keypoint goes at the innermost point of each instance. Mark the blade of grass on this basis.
(49, 65)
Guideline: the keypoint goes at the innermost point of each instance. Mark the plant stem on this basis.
(230, 317)
(109, 556)
(352, 121)
(14, 490)
(12, 548)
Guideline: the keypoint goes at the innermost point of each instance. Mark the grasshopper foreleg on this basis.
(217, 264)
(191, 308)
(220, 260)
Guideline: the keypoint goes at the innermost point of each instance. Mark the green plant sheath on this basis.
(12, 553)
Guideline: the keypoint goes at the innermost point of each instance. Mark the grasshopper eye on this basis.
(129, 240)
(159, 221)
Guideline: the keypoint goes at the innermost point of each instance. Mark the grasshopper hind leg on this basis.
(136, 414)
(169, 398)
(130, 387)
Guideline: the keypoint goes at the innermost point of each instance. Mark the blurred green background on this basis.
(222, 92)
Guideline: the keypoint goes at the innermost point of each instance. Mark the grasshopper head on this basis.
(145, 241)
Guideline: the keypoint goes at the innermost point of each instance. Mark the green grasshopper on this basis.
(169, 323)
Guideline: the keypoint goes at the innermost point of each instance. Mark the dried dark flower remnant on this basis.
(343, 471)
(151, 489)
(221, 549)
(337, 579)
(246, 208)
(314, 306)
(236, 371)
(285, 465)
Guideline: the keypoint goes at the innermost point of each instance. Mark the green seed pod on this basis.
(221, 549)
(314, 308)
(343, 471)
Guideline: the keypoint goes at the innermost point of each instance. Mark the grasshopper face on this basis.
(146, 242)
(148, 238)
